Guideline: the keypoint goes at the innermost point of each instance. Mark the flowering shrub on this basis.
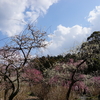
(61, 74)
(33, 75)
(96, 81)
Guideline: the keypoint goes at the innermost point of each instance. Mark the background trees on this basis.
(91, 49)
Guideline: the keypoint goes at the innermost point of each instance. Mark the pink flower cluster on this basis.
(80, 86)
(75, 64)
(53, 80)
(34, 75)
(96, 81)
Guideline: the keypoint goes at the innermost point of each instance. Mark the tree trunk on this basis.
(69, 90)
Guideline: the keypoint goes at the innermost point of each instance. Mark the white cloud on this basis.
(65, 38)
(94, 19)
(12, 12)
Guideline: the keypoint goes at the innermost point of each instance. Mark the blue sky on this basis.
(68, 13)
(68, 22)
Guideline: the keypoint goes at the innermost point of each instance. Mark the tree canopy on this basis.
(91, 49)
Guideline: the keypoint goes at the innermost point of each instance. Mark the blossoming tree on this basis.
(12, 64)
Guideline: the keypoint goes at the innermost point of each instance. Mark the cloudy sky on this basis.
(68, 22)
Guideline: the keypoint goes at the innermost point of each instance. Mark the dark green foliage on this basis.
(91, 49)
(43, 62)
(71, 56)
